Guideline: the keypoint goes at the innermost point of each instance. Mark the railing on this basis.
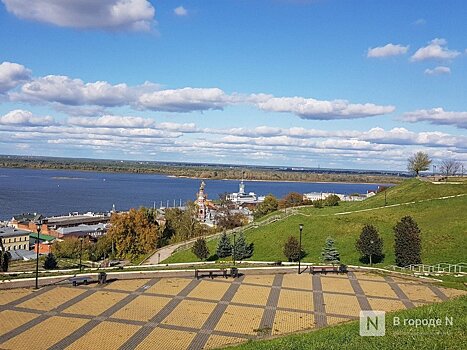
(441, 268)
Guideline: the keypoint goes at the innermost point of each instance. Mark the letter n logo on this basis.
(372, 323)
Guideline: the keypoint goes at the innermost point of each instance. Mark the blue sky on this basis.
(347, 84)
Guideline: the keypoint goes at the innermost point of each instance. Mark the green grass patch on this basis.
(346, 336)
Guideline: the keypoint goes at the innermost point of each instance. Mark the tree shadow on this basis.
(375, 259)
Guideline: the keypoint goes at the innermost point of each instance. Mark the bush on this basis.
(200, 249)
(319, 203)
(332, 200)
(50, 262)
(407, 242)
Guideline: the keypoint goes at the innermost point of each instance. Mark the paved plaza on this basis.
(185, 313)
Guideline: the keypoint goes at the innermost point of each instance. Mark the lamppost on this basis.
(38, 228)
(385, 201)
(80, 252)
(300, 248)
(371, 252)
(233, 254)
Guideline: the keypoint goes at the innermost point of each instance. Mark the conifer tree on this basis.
(5, 258)
(200, 249)
(242, 249)
(50, 262)
(370, 244)
(330, 253)
(407, 242)
(224, 248)
(292, 249)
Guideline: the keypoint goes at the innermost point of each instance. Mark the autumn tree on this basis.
(183, 224)
(226, 219)
(71, 248)
(292, 199)
(269, 205)
(292, 249)
(420, 161)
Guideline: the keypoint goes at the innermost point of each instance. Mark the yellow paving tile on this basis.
(452, 293)
(341, 304)
(96, 303)
(254, 295)
(209, 290)
(7, 296)
(419, 292)
(45, 334)
(240, 319)
(190, 314)
(143, 308)
(105, 336)
(127, 285)
(10, 320)
(302, 281)
(262, 280)
(169, 286)
(369, 276)
(52, 298)
(287, 322)
(385, 305)
(166, 339)
(405, 280)
(334, 320)
(295, 299)
(380, 289)
(331, 284)
(218, 341)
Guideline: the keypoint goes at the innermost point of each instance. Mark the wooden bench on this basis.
(326, 269)
(210, 273)
(80, 279)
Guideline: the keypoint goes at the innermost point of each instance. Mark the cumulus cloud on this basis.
(20, 117)
(12, 75)
(112, 121)
(103, 14)
(185, 100)
(309, 108)
(437, 116)
(438, 70)
(387, 50)
(181, 11)
(436, 49)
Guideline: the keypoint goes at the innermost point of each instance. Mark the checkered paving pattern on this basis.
(185, 313)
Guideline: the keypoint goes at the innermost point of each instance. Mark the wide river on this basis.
(52, 192)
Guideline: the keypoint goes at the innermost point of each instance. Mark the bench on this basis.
(210, 273)
(326, 269)
(81, 279)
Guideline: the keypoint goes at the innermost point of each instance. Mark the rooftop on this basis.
(12, 232)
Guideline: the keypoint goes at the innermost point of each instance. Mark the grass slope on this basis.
(347, 336)
(442, 223)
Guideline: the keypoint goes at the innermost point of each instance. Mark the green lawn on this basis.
(347, 336)
(442, 223)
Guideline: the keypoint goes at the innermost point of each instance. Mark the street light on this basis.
(233, 255)
(300, 248)
(80, 251)
(38, 228)
(371, 252)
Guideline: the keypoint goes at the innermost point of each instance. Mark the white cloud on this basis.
(12, 75)
(112, 121)
(309, 108)
(438, 70)
(387, 50)
(436, 49)
(420, 22)
(185, 100)
(104, 14)
(437, 116)
(20, 117)
(181, 11)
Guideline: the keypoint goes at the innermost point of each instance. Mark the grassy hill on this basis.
(442, 222)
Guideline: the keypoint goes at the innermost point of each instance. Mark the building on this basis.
(14, 239)
(201, 202)
(92, 231)
(241, 197)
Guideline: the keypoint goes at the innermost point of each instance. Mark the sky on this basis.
(358, 84)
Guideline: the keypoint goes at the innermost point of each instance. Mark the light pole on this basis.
(80, 252)
(371, 252)
(385, 201)
(38, 228)
(233, 254)
(300, 248)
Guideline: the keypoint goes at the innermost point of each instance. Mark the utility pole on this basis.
(39, 227)
(300, 248)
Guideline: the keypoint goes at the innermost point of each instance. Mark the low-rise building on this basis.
(93, 231)
(14, 239)
(241, 197)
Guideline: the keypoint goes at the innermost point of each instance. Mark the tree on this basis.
(224, 248)
(292, 199)
(292, 249)
(71, 248)
(242, 250)
(50, 262)
(318, 203)
(5, 257)
(420, 161)
(200, 249)
(450, 167)
(269, 205)
(407, 242)
(228, 220)
(330, 253)
(370, 244)
(332, 200)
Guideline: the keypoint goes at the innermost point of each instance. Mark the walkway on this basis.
(185, 313)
